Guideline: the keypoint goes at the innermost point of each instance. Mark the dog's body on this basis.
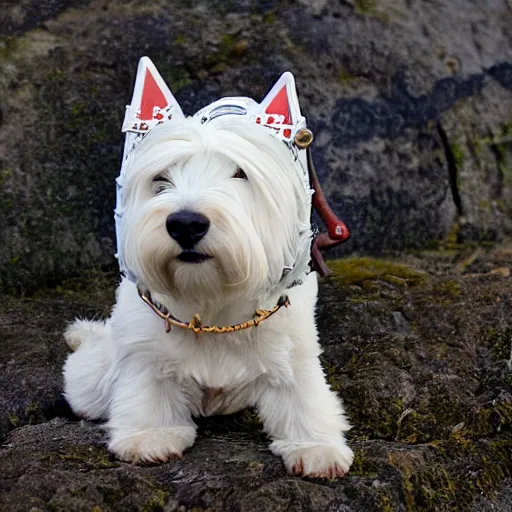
(205, 237)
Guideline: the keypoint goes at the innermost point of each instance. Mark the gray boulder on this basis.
(410, 103)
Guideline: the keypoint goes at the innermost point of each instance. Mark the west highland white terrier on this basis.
(216, 309)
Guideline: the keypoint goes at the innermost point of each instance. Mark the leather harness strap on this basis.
(337, 232)
(196, 325)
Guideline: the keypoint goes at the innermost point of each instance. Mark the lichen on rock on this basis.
(420, 360)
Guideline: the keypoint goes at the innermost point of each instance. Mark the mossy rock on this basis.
(382, 131)
(357, 270)
(422, 365)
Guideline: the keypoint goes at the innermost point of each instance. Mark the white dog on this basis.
(213, 221)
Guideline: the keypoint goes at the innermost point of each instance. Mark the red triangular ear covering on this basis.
(279, 105)
(152, 96)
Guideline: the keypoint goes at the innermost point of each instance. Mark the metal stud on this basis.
(303, 138)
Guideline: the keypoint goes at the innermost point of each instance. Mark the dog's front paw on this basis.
(155, 445)
(316, 461)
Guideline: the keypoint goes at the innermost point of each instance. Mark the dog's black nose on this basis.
(187, 228)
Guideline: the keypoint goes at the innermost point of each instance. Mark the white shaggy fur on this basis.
(149, 384)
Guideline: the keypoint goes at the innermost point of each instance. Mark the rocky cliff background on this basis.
(410, 102)
(411, 105)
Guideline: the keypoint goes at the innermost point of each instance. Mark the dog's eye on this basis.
(240, 174)
(161, 178)
(161, 183)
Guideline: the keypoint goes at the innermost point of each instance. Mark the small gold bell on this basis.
(303, 138)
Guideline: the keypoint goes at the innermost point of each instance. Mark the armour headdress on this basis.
(153, 103)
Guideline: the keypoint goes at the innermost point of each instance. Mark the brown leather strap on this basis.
(337, 232)
(197, 327)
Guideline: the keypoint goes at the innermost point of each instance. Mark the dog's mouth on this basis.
(190, 256)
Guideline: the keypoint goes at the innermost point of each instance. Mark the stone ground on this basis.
(418, 346)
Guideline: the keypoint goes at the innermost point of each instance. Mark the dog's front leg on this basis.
(306, 421)
(150, 420)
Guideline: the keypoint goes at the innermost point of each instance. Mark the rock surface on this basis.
(410, 102)
(411, 105)
(419, 349)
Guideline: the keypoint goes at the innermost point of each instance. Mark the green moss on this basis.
(8, 46)
(434, 487)
(77, 492)
(255, 466)
(362, 466)
(416, 426)
(227, 42)
(5, 173)
(456, 445)
(504, 160)
(448, 288)
(345, 77)
(249, 419)
(93, 457)
(363, 299)
(230, 50)
(455, 248)
(378, 422)
(177, 78)
(112, 495)
(504, 205)
(6, 205)
(332, 374)
(14, 420)
(218, 68)
(157, 501)
(269, 17)
(498, 340)
(440, 51)
(442, 293)
(369, 8)
(502, 137)
(458, 154)
(506, 129)
(32, 413)
(444, 485)
(492, 419)
(476, 148)
(494, 466)
(355, 270)
(500, 144)
(365, 6)
(489, 477)
(385, 503)
(55, 75)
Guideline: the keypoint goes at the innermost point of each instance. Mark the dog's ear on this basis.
(280, 108)
(152, 101)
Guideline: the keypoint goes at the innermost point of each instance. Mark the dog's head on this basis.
(217, 203)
